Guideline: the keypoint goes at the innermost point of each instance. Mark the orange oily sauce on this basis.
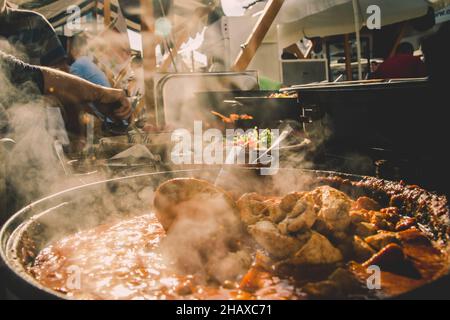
(122, 261)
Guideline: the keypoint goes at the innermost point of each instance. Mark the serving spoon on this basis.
(190, 197)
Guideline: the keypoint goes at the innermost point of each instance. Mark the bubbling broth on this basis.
(122, 261)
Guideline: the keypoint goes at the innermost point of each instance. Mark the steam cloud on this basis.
(205, 240)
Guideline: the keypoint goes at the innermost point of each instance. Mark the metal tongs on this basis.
(121, 127)
(144, 139)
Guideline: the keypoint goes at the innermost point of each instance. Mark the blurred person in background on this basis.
(29, 36)
(33, 168)
(83, 65)
(402, 65)
(17, 77)
(374, 65)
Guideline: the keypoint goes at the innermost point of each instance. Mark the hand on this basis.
(114, 103)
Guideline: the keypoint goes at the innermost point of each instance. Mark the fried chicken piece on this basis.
(280, 246)
(252, 208)
(318, 250)
(289, 201)
(275, 213)
(334, 208)
(302, 217)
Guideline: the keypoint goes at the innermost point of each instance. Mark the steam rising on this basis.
(33, 168)
(205, 240)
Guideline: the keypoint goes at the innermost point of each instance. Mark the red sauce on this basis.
(121, 261)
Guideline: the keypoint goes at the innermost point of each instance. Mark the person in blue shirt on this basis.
(83, 65)
(17, 77)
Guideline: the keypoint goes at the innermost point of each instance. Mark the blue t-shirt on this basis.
(84, 68)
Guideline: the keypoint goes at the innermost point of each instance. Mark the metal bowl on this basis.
(41, 223)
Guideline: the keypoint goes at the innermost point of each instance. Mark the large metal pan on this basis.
(65, 213)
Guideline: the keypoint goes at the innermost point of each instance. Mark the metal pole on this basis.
(348, 58)
(358, 36)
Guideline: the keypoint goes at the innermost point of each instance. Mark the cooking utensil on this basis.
(172, 193)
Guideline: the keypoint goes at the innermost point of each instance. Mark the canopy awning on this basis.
(321, 18)
(178, 11)
(56, 11)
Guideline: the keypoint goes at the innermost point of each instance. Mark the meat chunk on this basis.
(382, 239)
(366, 203)
(364, 229)
(392, 259)
(334, 208)
(362, 250)
(280, 246)
(339, 285)
(275, 213)
(252, 208)
(289, 201)
(427, 259)
(360, 215)
(318, 250)
(382, 220)
(302, 217)
(405, 224)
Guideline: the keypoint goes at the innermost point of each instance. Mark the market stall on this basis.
(213, 186)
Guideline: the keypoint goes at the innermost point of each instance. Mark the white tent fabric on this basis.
(320, 18)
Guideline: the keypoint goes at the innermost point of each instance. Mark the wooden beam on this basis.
(182, 38)
(149, 43)
(348, 57)
(95, 15)
(401, 34)
(257, 36)
(107, 12)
